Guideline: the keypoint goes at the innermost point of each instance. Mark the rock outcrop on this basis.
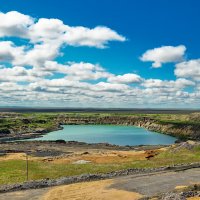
(187, 131)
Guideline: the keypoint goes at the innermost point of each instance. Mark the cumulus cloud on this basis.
(110, 87)
(30, 71)
(62, 82)
(126, 78)
(44, 30)
(96, 37)
(9, 52)
(188, 69)
(14, 24)
(39, 55)
(20, 74)
(7, 87)
(46, 37)
(18, 55)
(164, 54)
(78, 71)
(157, 83)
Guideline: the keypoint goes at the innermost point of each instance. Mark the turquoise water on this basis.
(119, 135)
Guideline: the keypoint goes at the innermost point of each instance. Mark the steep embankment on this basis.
(180, 129)
(33, 125)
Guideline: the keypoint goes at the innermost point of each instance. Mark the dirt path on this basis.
(121, 188)
(96, 190)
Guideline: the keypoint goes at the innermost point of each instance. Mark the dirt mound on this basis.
(184, 145)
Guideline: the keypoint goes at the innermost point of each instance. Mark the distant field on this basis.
(44, 119)
(104, 110)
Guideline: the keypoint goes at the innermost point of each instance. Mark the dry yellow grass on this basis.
(181, 187)
(13, 156)
(19, 156)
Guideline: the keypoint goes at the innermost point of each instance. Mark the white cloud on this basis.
(53, 29)
(20, 55)
(14, 24)
(188, 69)
(14, 71)
(126, 78)
(164, 54)
(157, 83)
(39, 55)
(46, 37)
(62, 82)
(96, 37)
(9, 52)
(44, 30)
(30, 73)
(7, 87)
(78, 71)
(110, 87)
(18, 74)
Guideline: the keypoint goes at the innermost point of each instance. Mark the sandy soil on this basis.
(97, 190)
(72, 152)
(100, 156)
(180, 187)
(104, 157)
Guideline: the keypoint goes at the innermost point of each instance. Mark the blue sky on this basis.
(143, 24)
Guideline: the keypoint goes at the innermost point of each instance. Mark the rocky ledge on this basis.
(24, 128)
(181, 130)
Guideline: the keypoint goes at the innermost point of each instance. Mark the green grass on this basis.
(14, 171)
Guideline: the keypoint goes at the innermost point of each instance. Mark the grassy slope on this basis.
(14, 171)
(34, 121)
(45, 120)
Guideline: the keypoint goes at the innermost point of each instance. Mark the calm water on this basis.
(120, 135)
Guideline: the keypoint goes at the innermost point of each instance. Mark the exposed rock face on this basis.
(25, 128)
(115, 120)
(178, 130)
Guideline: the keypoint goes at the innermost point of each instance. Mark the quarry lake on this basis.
(118, 135)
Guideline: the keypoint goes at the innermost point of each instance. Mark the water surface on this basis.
(119, 135)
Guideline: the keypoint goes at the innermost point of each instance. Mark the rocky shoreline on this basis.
(26, 136)
(183, 131)
(32, 147)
